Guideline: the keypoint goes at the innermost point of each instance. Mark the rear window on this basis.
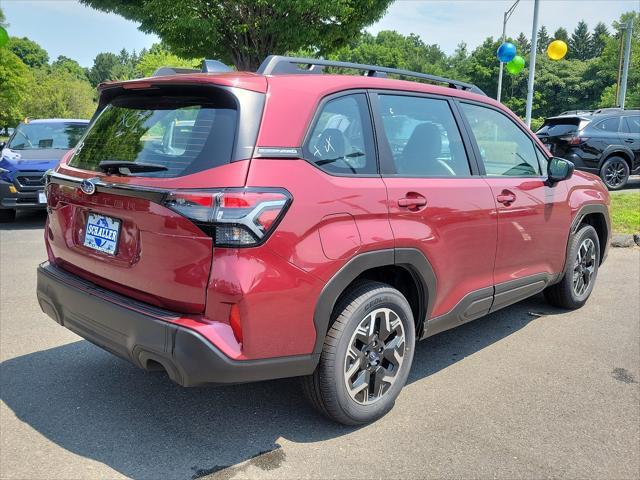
(183, 134)
(41, 135)
(562, 126)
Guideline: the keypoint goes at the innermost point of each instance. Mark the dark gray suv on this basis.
(605, 142)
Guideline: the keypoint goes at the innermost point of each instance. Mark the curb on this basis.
(625, 240)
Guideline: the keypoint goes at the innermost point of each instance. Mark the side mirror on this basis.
(559, 169)
(2, 145)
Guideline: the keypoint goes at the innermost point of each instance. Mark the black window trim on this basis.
(314, 120)
(387, 164)
(543, 176)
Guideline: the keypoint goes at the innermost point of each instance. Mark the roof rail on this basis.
(283, 65)
(609, 109)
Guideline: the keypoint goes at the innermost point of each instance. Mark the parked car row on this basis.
(33, 148)
(605, 142)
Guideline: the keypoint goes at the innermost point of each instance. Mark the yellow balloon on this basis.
(557, 50)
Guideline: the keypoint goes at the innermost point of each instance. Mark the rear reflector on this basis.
(234, 321)
(234, 217)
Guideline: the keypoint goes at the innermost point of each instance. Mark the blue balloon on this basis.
(506, 52)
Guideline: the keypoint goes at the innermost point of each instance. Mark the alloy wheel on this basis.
(585, 266)
(374, 356)
(614, 173)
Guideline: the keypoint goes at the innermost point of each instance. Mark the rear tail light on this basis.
(233, 217)
(574, 139)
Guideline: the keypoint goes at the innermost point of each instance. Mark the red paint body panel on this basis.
(456, 231)
(531, 228)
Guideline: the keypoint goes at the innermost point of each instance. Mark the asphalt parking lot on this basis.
(528, 392)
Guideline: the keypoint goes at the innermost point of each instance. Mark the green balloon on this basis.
(516, 65)
(4, 37)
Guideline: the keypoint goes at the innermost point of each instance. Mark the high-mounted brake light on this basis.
(234, 217)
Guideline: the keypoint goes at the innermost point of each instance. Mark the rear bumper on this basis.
(18, 199)
(137, 334)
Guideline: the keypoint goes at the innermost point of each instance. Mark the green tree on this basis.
(599, 39)
(606, 66)
(561, 34)
(543, 39)
(159, 56)
(70, 66)
(15, 83)
(31, 54)
(580, 42)
(58, 93)
(523, 44)
(244, 32)
(103, 66)
(3, 19)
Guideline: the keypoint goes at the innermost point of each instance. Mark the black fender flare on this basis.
(411, 259)
(577, 220)
(617, 149)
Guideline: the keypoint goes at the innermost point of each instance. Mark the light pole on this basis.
(532, 61)
(625, 68)
(507, 15)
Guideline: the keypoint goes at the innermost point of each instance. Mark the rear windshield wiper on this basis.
(127, 168)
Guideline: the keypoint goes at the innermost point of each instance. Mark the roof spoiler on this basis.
(208, 66)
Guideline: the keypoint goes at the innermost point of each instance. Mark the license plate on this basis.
(102, 233)
(42, 197)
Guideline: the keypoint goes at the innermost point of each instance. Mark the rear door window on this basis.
(631, 125)
(183, 134)
(341, 141)
(423, 137)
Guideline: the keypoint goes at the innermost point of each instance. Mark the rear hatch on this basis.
(112, 202)
(562, 133)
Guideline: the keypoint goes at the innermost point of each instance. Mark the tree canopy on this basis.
(31, 54)
(244, 32)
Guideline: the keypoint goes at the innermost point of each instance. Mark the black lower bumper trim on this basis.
(188, 357)
(19, 199)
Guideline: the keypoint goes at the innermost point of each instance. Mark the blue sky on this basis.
(64, 27)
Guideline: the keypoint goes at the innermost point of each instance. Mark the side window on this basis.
(631, 125)
(341, 141)
(608, 125)
(423, 137)
(505, 150)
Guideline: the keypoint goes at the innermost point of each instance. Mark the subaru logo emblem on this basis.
(88, 187)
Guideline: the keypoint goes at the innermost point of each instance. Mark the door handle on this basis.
(412, 202)
(628, 140)
(507, 197)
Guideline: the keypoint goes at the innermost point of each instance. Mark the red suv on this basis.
(234, 227)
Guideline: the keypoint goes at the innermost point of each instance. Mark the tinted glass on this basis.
(632, 125)
(560, 126)
(608, 125)
(341, 141)
(505, 149)
(34, 136)
(423, 137)
(186, 135)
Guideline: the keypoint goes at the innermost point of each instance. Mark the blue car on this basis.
(34, 147)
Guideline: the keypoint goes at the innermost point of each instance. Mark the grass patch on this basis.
(625, 212)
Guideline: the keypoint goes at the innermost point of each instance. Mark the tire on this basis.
(7, 216)
(615, 173)
(327, 388)
(569, 293)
